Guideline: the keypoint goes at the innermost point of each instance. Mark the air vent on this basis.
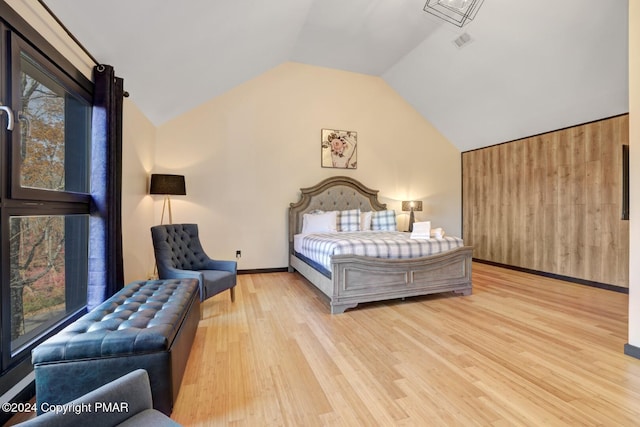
(462, 40)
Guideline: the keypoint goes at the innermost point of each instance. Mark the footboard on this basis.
(359, 279)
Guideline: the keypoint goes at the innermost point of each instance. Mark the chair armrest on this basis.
(128, 395)
(230, 266)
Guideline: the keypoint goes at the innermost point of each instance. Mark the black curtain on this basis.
(106, 272)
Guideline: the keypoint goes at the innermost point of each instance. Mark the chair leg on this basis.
(233, 294)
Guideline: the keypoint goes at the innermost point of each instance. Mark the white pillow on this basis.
(365, 221)
(421, 230)
(319, 223)
(437, 233)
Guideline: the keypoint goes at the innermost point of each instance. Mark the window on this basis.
(45, 200)
(47, 279)
(47, 112)
(53, 130)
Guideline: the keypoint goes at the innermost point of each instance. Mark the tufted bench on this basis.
(148, 324)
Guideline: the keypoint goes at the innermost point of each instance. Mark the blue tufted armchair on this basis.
(179, 255)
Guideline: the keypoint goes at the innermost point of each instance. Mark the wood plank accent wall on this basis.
(551, 202)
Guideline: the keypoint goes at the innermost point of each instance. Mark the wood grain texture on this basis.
(551, 202)
(523, 350)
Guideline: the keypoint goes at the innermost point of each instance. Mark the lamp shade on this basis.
(416, 205)
(167, 184)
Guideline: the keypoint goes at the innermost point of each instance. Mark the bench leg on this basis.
(233, 294)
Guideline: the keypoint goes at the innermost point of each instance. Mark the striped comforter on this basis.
(380, 244)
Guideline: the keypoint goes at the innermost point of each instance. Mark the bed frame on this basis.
(357, 279)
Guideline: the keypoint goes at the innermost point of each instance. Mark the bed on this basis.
(355, 279)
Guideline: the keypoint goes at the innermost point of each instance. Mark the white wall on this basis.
(138, 146)
(247, 153)
(634, 171)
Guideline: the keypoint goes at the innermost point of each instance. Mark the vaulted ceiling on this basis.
(530, 67)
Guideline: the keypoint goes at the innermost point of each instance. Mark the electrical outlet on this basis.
(238, 254)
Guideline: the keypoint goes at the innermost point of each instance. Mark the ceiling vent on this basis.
(461, 41)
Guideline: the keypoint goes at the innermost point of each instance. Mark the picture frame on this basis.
(339, 149)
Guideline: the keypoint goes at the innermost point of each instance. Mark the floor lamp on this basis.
(167, 185)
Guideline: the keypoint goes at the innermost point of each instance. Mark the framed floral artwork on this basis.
(339, 149)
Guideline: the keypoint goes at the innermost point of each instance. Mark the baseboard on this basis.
(591, 283)
(264, 270)
(632, 350)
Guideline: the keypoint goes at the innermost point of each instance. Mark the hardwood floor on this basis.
(521, 351)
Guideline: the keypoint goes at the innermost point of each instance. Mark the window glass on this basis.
(54, 131)
(47, 271)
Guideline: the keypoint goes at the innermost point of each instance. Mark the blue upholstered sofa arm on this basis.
(126, 399)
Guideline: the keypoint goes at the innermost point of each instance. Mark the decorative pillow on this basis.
(384, 220)
(319, 222)
(349, 220)
(365, 221)
(421, 230)
(437, 233)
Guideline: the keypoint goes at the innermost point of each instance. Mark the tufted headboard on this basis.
(333, 194)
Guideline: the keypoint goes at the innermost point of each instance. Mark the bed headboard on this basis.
(333, 194)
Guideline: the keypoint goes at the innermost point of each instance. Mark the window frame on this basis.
(16, 191)
(9, 354)
(14, 29)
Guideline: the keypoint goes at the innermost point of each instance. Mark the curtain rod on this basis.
(66, 30)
